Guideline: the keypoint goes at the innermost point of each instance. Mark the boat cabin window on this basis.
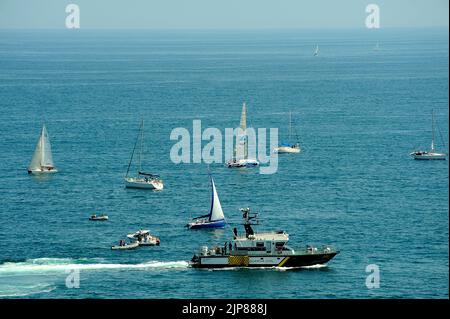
(260, 244)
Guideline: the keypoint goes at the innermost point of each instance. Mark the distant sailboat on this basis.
(289, 147)
(215, 218)
(143, 180)
(42, 161)
(316, 51)
(432, 154)
(241, 151)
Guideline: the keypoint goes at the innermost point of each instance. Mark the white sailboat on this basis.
(42, 161)
(215, 218)
(316, 51)
(142, 180)
(289, 147)
(241, 151)
(432, 154)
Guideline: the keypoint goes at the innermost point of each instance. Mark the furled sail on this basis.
(216, 212)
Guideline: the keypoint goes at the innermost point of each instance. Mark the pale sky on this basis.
(222, 14)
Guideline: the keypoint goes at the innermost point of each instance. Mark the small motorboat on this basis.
(125, 246)
(102, 217)
(144, 238)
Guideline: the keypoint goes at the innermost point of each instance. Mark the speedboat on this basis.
(102, 217)
(125, 246)
(144, 238)
(215, 218)
(265, 249)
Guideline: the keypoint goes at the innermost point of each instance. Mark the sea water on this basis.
(358, 112)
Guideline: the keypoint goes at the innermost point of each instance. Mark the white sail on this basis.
(216, 212)
(37, 156)
(241, 147)
(47, 158)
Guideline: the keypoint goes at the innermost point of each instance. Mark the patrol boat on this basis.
(268, 249)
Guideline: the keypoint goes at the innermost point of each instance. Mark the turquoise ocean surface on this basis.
(359, 112)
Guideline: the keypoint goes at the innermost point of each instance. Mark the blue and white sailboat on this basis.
(215, 218)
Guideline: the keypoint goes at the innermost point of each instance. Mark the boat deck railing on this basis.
(308, 250)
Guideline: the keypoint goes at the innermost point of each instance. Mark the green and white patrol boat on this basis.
(267, 249)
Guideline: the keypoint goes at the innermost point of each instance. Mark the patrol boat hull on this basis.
(291, 261)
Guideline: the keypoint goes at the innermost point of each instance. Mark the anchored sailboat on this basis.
(143, 180)
(42, 161)
(289, 147)
(241, 151)
(215, 218)
(432, 154)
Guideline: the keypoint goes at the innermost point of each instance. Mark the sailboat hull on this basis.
(131, 182)
(207, 224)
(429, 156)
(42, 171)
